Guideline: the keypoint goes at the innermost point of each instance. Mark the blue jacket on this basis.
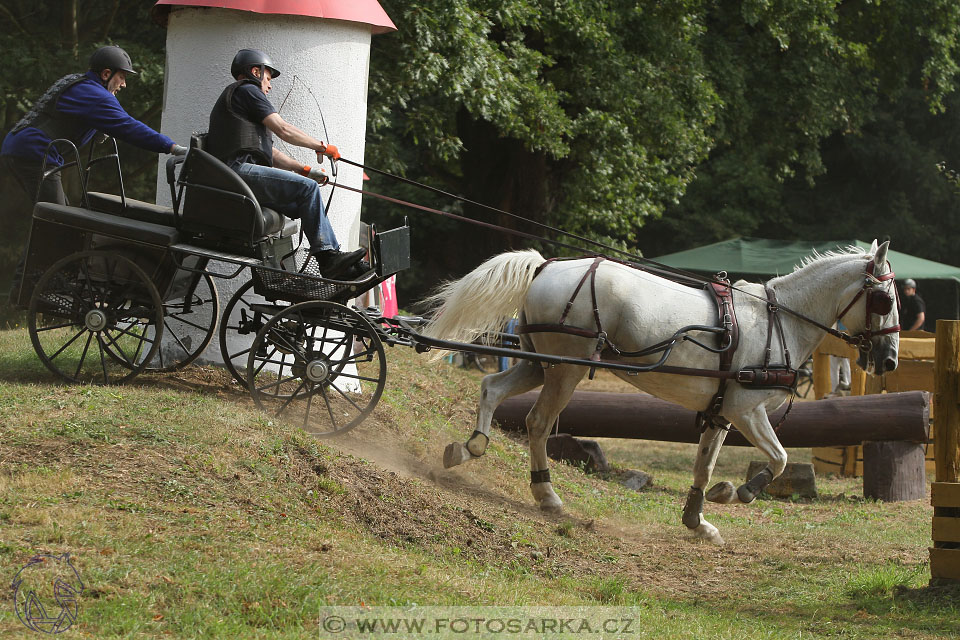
(89, 101)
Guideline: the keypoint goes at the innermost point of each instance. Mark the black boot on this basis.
(355, 271)
(333, 262)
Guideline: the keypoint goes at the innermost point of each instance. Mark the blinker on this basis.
(880, 302)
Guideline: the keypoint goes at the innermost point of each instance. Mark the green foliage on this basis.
(588, 115)
(596, 116)
(802, 82)
(40, 45)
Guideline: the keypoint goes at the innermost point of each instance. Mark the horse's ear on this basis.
(880, 256)
(873, 248)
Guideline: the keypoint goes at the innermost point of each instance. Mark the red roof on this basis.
(366, 11)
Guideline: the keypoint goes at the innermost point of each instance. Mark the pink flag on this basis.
(388, 295)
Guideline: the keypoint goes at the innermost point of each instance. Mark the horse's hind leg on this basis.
(755, 427)
(558, 386)
(710, 442)
(495, 388)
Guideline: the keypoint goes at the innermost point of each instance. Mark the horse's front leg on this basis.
(756, 428)
(710, 442)
(558, 386)
(494, 389)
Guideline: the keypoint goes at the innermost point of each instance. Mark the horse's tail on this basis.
(484, 300)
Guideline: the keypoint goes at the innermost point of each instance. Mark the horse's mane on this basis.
(817, 258)
(833, 253)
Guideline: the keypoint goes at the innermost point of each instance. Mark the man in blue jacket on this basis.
(76, 107)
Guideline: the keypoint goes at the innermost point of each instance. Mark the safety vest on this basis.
(232, 135)
(45, 117)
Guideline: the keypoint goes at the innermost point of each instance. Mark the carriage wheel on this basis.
(319, 365)
(241, 318)
(187, 328)
(88, 315)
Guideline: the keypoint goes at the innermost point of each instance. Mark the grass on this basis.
(189, 514)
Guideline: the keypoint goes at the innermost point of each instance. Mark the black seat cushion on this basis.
(107, 224)
(272, 221)
(136, 209)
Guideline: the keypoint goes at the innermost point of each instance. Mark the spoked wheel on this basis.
(319, 365)
(242, 319)
(88, 318)
(189, 322)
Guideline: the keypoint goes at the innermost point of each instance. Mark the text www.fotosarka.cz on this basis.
(481, 622)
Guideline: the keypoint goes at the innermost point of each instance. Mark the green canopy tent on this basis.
(746, 257)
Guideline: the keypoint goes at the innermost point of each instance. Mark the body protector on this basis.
(231, 134)
(45, 117)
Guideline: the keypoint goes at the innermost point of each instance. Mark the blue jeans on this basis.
(294, 196)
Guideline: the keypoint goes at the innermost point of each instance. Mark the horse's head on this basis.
(874, 314)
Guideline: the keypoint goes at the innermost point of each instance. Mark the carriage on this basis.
(116, 287)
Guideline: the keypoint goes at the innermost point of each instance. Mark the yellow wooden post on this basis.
(822, 384)
(945, 492)
(947, 401)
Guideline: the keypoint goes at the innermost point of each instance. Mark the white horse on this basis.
(637, 309)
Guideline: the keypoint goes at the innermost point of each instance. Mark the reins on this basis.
(860, 341)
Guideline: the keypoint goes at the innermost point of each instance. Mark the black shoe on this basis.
(355, 271)
(333, 262)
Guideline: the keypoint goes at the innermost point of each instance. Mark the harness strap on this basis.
(562, 327)
(728, 344)
(774, 319)
(590, 273)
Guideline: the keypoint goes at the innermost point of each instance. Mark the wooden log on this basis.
(916, 348)
(947, 378)
(911, 375)
(829, 422)
(894, 471)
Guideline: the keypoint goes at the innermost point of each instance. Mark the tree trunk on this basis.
(69, 27)
(894, 471)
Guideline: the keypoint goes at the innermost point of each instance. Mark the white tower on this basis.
(322, 48)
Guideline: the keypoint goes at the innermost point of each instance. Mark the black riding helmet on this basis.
(247, 58)
(111, 57)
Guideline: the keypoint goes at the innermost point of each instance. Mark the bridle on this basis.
(878, 302)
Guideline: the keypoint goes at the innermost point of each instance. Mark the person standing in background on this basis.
(913, 313)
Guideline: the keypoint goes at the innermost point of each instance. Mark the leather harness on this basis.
(765, 376)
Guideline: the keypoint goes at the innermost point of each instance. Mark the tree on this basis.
(799, 82)
(595, 116)
(586, 114)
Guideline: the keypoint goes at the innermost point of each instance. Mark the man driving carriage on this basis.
(241, 123)
(75, 108)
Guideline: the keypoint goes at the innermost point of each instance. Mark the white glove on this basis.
(316, 173)
(178, 150)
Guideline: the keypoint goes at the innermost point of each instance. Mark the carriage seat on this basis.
(218, 209)
(129, 208)
(106, 224)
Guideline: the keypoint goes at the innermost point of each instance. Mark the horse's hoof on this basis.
(553, 508)
(708, 533)
(722, 492)
(455, 454)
